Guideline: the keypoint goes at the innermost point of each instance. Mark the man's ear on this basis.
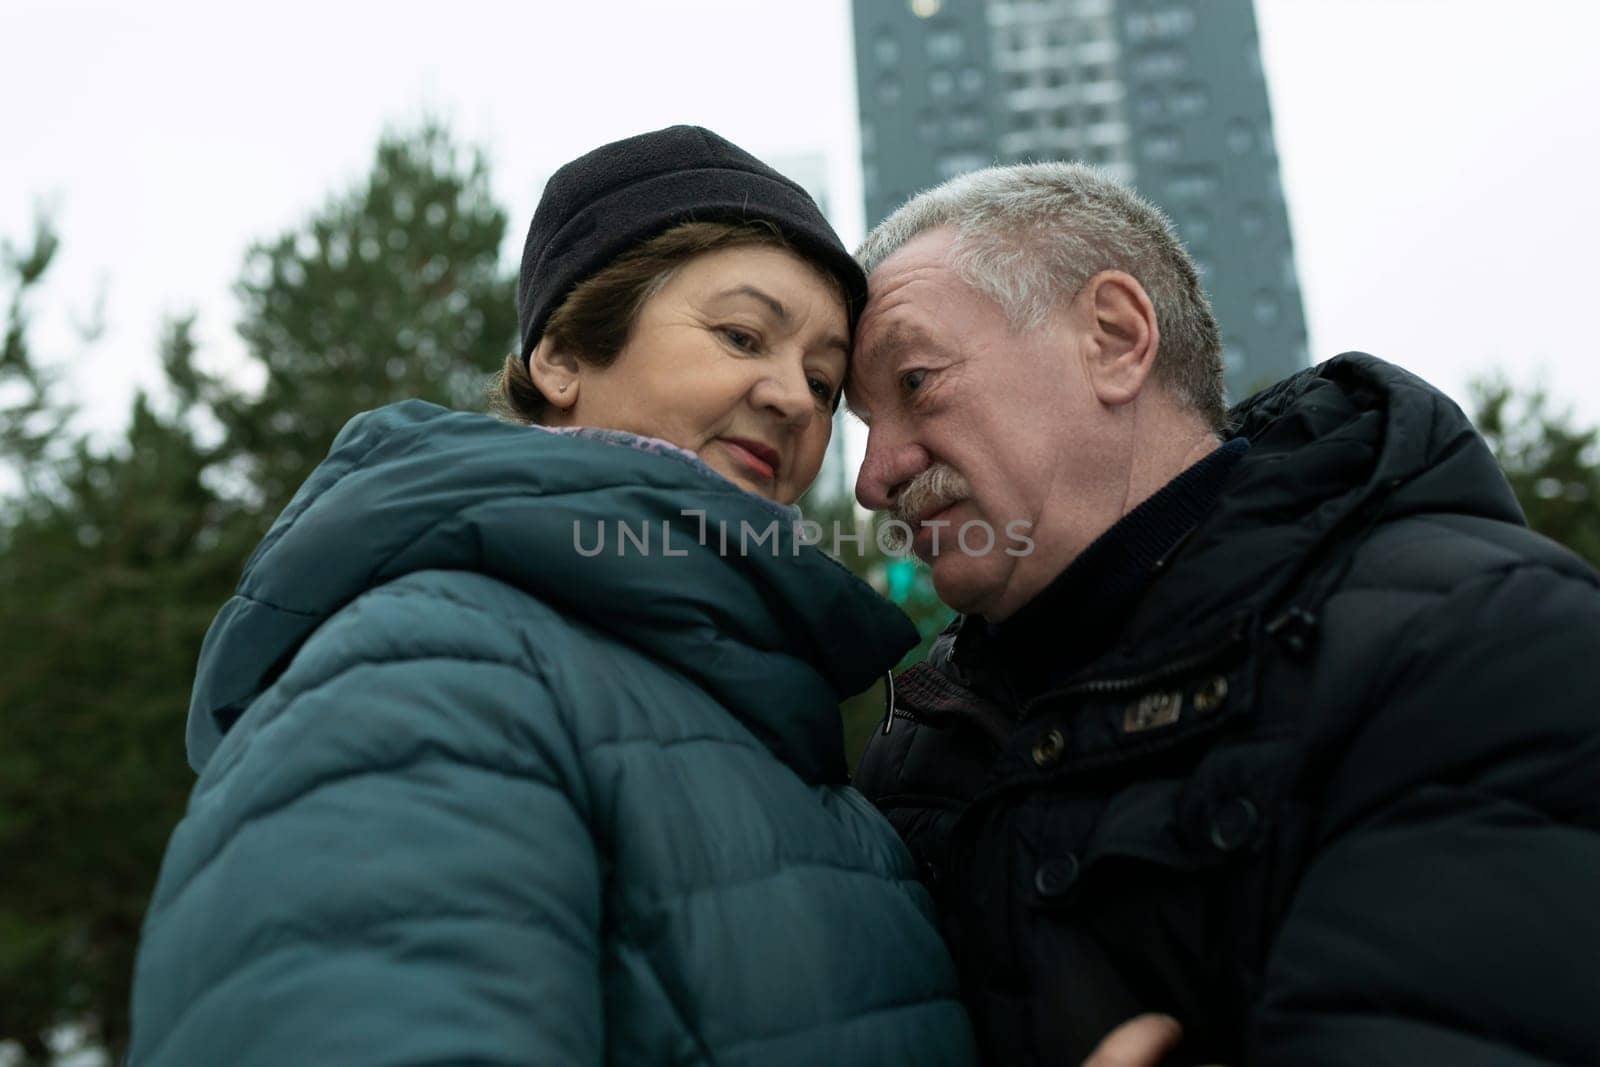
(555, 372)
(1122, 336)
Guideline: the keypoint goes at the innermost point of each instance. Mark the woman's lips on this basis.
(759, 459)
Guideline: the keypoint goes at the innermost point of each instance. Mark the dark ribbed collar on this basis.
(1077, 616)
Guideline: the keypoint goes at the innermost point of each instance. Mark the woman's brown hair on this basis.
(596, 319)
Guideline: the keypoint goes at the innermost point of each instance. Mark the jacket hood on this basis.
(778, 633)
(1334, 450)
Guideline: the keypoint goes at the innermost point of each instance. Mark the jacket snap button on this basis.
(1048, 748)
(1234, 824)
(1055, 876)
(1210, 696)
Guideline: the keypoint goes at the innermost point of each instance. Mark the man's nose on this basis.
(887, 466)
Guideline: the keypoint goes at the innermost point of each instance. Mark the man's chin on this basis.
(966, 583)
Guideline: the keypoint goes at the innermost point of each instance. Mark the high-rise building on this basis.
(1166, 95)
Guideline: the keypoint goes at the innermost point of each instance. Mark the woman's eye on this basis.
(822, 388)
(911, 380)
(743, 340)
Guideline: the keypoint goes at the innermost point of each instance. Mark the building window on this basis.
(967, 126)
(1252, 220)
(1147, 104)
(1162, 63)
(1265, 307)
(1160, 25)
(1188, 100)
(1162, 146)
(941, 83)
(889, 90)
(1239, 136)
(960, 163)
(1232, 355)
(944, 46)
(971, 80)
(885, 49)
(1193, 183)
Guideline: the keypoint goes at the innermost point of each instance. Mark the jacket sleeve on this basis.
(386, 862)
(1448, 914)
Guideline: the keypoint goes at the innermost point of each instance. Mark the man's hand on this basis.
(1139, 1042)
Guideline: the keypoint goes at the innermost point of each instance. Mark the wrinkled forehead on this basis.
(879, 351)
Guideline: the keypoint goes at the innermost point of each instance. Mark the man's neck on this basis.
(1164, 440)
(1082, 610)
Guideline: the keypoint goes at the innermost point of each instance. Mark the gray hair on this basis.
(1030, 236)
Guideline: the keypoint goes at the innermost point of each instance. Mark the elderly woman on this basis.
(512, 749)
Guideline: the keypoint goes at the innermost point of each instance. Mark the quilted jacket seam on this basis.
(256, 815)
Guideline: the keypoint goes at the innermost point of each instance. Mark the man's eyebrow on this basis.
(897, 340)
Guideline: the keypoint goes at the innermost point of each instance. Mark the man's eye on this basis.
(743, 340)
(911, 380)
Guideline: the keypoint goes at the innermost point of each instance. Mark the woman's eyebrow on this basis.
(782, 313)
(766, 298)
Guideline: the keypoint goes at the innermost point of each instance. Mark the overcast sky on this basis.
(1439, 156)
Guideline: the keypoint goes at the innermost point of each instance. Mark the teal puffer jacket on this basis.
(470, 795)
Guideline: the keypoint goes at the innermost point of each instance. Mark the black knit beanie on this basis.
(603, 203)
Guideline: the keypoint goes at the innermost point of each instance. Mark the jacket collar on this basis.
(1333, 450)
(775, 631)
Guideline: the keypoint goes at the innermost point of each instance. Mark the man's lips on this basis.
(761, 460)
(933, 514)
(921, 532)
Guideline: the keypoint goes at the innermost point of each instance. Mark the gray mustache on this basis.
(935, 488)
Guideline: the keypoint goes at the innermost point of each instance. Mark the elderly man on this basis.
(1277, 721)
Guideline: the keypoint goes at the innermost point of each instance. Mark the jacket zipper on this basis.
(1109, 686)
(1136, 682)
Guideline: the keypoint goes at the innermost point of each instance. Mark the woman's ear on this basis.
(555, 372)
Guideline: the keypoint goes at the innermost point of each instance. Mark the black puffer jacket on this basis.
(1333, 796)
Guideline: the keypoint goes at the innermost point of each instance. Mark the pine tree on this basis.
(32, 416)
(1552, 464)
(114, 561)
(391, 291)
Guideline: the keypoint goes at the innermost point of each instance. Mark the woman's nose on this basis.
(788, 394)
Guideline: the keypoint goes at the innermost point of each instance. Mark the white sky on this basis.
(1438, 155)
